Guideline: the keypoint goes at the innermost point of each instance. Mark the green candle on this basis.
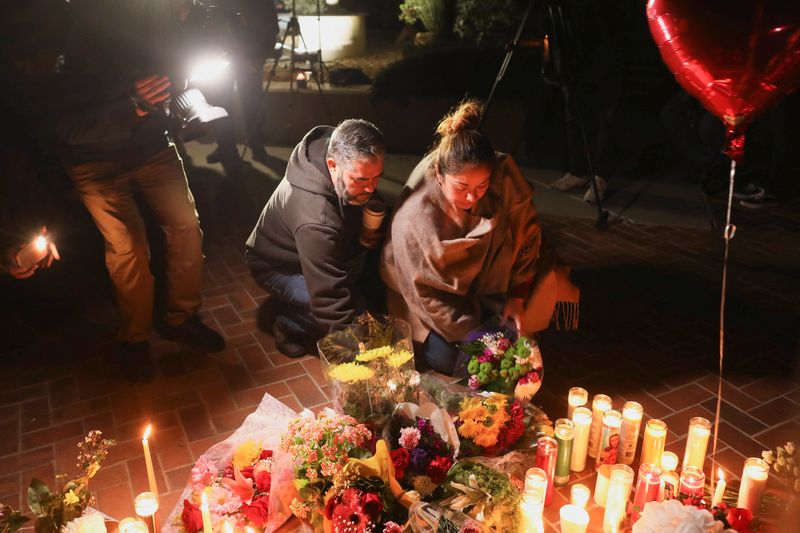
(565, 434)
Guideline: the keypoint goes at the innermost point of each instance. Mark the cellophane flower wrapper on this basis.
(369, 367)
(485, 494)
(424, 443)
(487, 423)
(495, 358)
(426, 517)
(264, 426)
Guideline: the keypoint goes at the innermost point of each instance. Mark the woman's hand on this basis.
(514, 309)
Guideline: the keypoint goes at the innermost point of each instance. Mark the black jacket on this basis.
(305, 229)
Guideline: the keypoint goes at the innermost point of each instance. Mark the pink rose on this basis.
(191, 517)
(258, 511)
(503, 344)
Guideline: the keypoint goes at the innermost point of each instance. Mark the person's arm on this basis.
(322, 262)
(113, 119)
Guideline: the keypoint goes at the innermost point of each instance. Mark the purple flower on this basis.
(473, 383)
(420, 459)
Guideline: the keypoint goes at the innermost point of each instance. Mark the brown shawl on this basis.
(439, 261)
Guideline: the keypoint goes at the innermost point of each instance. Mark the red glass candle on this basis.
(648, 487)
(546, 453)
(692, 482)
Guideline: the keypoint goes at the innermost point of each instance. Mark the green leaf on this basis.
(11, 520)
(39, 498)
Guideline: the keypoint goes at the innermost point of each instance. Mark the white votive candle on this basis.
(579, 495)
(754, 482)
(536, 481)
(574, 519)
(629, 433)
(697, 442)
(146, 504)
(582, 417)
(531, 510)
(601, 485)
(577, 398)
(669, 462)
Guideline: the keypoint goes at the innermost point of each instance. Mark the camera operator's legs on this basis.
(249, 83)
(109, 199)
(162, 183)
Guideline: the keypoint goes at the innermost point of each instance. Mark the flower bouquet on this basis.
(366, 497)
(425, 444)
(488, 423)
(499, 364)
(242, 480)
(370, 367)
(484, 494)
(672, 516)
(785, 462)
(66, 510)
(318, 449)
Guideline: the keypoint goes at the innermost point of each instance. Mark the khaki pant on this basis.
(107, 191)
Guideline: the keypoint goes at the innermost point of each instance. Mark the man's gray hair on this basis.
(355, 139)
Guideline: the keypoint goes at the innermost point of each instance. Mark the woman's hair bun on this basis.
(466, 116)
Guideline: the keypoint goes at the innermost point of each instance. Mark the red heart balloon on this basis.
(737, 57)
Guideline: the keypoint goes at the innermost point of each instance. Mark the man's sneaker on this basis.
(568, 181)
(759, 200)
(589, 196)
(194, 333)
(285, 344)
(131, 361)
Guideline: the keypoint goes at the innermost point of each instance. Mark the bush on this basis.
(307, 7)
(457, 71)
(488, 21)
(435, 15)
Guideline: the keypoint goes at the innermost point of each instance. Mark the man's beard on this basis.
(344, 196)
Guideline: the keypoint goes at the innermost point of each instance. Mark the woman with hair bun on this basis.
(464, 243)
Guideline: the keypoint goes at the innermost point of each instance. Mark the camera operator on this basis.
(246, 30)
(114, 146)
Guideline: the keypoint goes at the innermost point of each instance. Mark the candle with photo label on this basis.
(600, 404)
(629, 433)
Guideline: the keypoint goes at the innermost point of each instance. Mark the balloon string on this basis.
(730, 231)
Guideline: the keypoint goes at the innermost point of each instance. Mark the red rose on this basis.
(265, 454)
(740, 519)
(399, 474)
(438, 468)
(400, 458)
(247, 472)
(372, 505)
(263, 481)
(257, 512)
(191, 517)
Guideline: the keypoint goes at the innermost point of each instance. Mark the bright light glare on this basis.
(208, 68)
(40, 243)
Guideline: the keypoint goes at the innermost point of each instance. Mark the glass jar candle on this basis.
(632, 413)
(565, 434)
(697, 442)
(655, 436)
(620, 482)
(692, 481)
(531, 510)
(546, 455)
(579, 495)
(600, 404)
(574, 519)
(754, 482)
(577, 398)
(146, 504)
(648, 487)
(669, 462)
(536, 481)
(609, 441)
(582, 418)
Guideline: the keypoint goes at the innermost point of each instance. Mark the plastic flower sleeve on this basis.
(432, 518)
(369, 366)
(264, 426)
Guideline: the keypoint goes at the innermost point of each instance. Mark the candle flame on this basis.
(720, 474)
(40, 243)
(147, 432)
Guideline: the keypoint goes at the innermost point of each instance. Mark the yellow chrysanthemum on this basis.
(373, 354)
(350, 372)
(400, 358)
(482, 419)
(246, 454)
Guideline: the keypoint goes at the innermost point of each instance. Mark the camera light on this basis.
(208, 68)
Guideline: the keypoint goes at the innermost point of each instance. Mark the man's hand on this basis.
(152, 90)
(514, 309)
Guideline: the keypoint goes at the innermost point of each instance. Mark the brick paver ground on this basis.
(649, 330)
